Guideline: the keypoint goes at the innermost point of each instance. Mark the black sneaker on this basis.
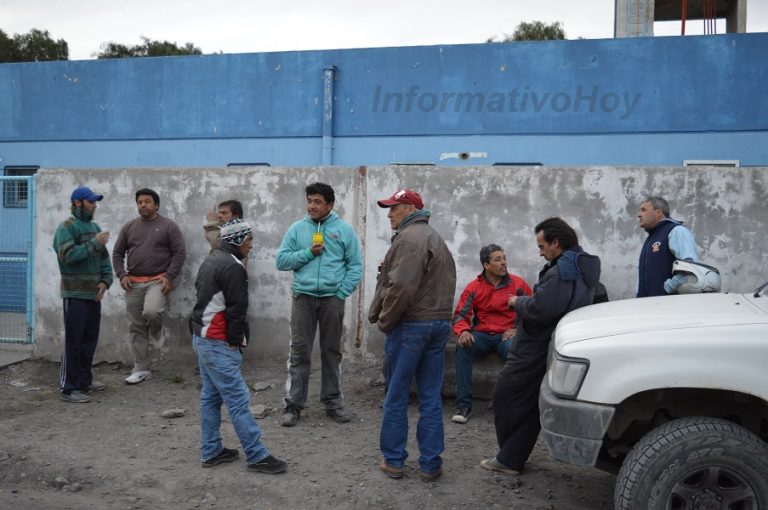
(226, 455)
(269, 465)
(95, 386)
(339, 415)
(462, 415)
(78, 397)
(290, 416)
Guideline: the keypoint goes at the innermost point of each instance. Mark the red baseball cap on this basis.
(404, 196)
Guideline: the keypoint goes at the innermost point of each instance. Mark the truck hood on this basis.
(660, 314)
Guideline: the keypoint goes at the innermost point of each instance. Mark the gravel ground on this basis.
(118, 452)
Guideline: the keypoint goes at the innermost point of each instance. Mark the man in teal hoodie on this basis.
(86, 274)
(324, 254)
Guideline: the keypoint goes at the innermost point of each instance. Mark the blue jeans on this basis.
(485, 344)
(415, 349)
(223, 382)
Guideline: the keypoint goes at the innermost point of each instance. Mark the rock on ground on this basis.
(123, 454)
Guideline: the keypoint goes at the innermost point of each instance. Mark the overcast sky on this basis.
(245, 26)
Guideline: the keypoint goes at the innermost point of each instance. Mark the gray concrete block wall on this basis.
(470, 207)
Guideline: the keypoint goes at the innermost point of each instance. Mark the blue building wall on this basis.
(589, 102)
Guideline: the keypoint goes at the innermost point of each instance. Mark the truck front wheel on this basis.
(695, 463)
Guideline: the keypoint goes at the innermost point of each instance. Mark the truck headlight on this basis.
(565, 375)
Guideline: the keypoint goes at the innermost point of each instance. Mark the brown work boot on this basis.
(431, 476)
(392, 472)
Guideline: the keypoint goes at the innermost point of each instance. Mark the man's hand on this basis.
(508, 334)
(102, 290)
(466, 339)
(511, 302)
(125, 283)
(211, 215)
(102, 237)
(165, 282)
(316, 249)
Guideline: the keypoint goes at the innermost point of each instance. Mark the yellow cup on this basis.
(317, 238)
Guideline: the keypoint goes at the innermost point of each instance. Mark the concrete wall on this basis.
(471, 207)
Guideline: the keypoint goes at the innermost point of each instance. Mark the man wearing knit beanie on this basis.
(219, 327)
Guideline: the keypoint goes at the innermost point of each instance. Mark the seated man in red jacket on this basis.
(483, 321)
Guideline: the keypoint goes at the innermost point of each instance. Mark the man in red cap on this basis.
(412, 305)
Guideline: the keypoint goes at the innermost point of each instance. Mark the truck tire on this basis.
(693, 463)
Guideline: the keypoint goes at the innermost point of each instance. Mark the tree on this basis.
(7, 48)
(533, 31)
(148, 48)
(35, 46)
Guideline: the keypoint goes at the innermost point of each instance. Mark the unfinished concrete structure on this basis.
(634, 18)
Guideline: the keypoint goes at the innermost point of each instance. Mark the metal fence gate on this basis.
(17, 248)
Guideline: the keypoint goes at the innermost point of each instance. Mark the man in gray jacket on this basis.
(413, 305)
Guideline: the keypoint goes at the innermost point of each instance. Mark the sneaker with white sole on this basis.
(225, 455)
(137, 377)
(493, 464)
(77, 397)
(462, 415)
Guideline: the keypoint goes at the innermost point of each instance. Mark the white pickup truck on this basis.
(671, 392)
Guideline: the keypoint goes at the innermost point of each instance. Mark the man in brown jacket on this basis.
(413, 305)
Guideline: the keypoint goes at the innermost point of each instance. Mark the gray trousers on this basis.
(145, 304)
(306, 313)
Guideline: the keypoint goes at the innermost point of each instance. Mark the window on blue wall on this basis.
(16, 193)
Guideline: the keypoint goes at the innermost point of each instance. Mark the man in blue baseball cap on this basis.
(85, 193)
(86, 274)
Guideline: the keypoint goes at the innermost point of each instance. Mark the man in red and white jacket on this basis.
(219, 327)
(483, 321)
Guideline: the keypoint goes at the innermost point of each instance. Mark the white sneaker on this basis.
(137, 377)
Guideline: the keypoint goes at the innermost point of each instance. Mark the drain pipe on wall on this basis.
(329, 74)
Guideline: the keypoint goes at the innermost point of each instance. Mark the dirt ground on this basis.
(117, 452)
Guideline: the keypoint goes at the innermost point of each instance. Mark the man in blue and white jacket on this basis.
(668, 240)
(324, 254)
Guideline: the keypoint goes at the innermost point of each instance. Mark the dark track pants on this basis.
(82, 318)
(516, 407)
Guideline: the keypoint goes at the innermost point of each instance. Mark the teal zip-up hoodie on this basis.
(336, 271)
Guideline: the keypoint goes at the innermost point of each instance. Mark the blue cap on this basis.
(85, 193)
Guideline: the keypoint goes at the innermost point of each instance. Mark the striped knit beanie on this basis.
(235, 232)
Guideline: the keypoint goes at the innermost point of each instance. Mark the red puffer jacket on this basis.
(483, 307)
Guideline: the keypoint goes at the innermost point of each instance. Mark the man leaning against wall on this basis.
(323, 252)
(154, 248)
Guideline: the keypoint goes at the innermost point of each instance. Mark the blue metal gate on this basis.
(17, 248)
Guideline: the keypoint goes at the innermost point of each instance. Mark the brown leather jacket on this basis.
(417, 279)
